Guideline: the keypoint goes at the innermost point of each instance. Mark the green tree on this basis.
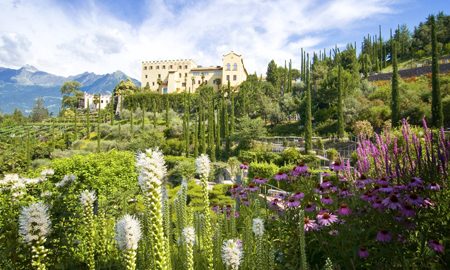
(395, 105)
(39, 111)
(340, 107)
(71, 93)
(272, 73)
(437, 116)
(308, 118)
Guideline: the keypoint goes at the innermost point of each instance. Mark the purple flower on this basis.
(363, 252)
(252, 187)
(326, 200)
(326, 219)
(434, 186)
(344, 210)
(245, 201)
(378, 204)
(309, 225)
(326, 184)
(436, 246)
(300, 169)
(415, 182)
(392, 202)
(408, 210)
(414, 199)
(216, 208)
(275, 202)
(243, 166)
(344, 192)
(259, 181)
(292, 203)
(384, 236)
(337, 166)
(386, 188)
(310, 207)
(280, 176)
(280, 196)
(298, 195)
(368, 196)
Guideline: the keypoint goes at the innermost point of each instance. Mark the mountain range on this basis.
(19, 88)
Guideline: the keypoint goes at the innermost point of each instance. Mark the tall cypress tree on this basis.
(340, 109)
(195, 138)
(395, 105)
(231, 112)
(437, 116)
(308, 118)
(289, 86)
(226, 126)
(218, 142)
(211, 125)
(201, 126)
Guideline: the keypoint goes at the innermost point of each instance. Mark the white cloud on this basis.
(91, 39)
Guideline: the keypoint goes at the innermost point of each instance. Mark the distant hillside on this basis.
(20, 87)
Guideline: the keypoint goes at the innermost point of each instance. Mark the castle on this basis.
(174, 76)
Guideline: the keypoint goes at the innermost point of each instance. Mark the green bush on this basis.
(332, 154)
(290, 156)
(265, 170)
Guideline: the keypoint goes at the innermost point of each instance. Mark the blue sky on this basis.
(70, 37)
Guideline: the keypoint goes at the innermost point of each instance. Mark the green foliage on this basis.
(264, 170)
(437, 117)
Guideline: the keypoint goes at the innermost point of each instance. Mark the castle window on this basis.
(164, 67)
(185, 66)
(234, 66)
(145, 68)
(146, 76)
(159, 76)
(234, 77)
(180, 67)
(153, 83)
(198, 81)
(228, 77)
(206, 81)
(170, 66)
(183, 84)
(228, 66)
(151, 67)
(185, 74)
(179, 75)
(157, 67)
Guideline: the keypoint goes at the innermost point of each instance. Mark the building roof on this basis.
(207, 68)
(232, 53)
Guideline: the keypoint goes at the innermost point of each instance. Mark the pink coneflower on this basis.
(216, 208)
(298, 195)
(344, 192)
(436, 246)
(326, 218)
(301, 168)
(414, 199)
(245, 201)
(428, 202)
(319, 190)
(408, 210)
(434, 186)
(243, 166)
(386, 188)
(235, 188)
(399, 187)
(326, 200)
(337, 166)
(382, 181)
(378, 204)
(384, 236)
(280, 196)
(310, 207)
(326, 184)
(415, 182)
(280, 176)
(259, 181)
(392, 202)
(310, 225)
(363, 252)
(292, 203)
(368, 196)
(252, 187)
(344, 210)
(275, 202)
